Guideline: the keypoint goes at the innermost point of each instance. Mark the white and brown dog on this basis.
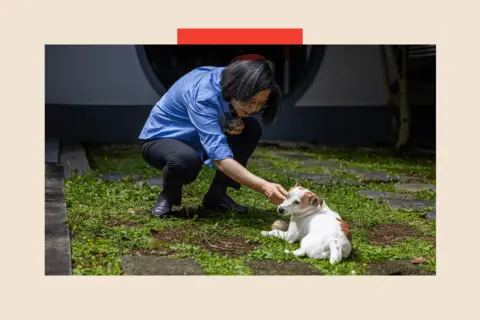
(321, 231)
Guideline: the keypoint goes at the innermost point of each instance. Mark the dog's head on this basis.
(299, 202)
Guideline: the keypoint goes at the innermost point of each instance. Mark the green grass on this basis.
(111, 219)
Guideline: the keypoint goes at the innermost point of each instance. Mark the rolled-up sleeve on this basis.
(203, 113)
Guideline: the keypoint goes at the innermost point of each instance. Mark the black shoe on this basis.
(162, 208)
(223, 204)
(169, 197)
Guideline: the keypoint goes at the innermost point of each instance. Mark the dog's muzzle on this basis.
(281, 210)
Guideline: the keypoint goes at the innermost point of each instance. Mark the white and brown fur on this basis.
(314, 224)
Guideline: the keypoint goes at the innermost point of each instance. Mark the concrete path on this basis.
(57, 237)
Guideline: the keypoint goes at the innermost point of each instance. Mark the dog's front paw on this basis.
(264, 233)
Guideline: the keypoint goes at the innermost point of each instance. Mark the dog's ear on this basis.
(295, 186)
(320, 201)
(315, 200)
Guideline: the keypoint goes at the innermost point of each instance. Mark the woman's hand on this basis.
(274, 192)
(345, 229)
(236, 129)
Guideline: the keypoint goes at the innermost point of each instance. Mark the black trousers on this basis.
(181, 164)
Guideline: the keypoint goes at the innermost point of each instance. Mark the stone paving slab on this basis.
(374, 150)
(153, 182)
(260, 162)
(285, 144)
(57, 236)
(278, 268)
(319, 178)
(117, 176)
(292, 156)
(256, 155)
(417, 204)
(382, 195)
(405, 179)
(396, 267)
(330, 164)
(324, 179)
(431, 215)
(396, 200)
(152, 265)
(156, 181)
(414, 187)
(282, 171)
(372, 176)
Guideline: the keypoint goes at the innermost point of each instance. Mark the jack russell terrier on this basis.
(321, 231)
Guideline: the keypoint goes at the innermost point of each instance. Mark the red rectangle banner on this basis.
(240, 36)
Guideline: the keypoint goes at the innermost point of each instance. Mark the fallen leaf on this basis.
(131, 211)
(419, 260)
(280, 225)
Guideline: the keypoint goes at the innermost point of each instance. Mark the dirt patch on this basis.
(226, 245)
(396, 268)
(433, 240)
(122, 222)
(387, 234)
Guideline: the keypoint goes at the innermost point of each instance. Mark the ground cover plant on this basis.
(109, 214)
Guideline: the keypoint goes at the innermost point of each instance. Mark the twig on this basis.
(214, 246)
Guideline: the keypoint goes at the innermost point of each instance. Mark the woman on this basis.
(204, 118)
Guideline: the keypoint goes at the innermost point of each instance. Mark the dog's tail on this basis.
(335, 252)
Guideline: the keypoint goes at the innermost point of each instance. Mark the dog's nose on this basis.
(281, 210)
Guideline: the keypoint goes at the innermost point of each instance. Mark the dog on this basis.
(321, 231)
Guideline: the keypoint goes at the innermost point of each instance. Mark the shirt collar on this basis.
(217, 77)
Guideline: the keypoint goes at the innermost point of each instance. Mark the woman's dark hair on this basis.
(248, 75)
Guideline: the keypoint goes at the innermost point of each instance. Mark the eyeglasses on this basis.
(251, 105)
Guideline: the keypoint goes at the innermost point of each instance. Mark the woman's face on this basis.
(255, 104)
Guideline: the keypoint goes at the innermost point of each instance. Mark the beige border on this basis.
(28, 294)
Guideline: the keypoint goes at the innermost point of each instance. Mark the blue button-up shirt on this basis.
(193, 111)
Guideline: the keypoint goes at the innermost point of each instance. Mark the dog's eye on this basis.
(296, 202)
